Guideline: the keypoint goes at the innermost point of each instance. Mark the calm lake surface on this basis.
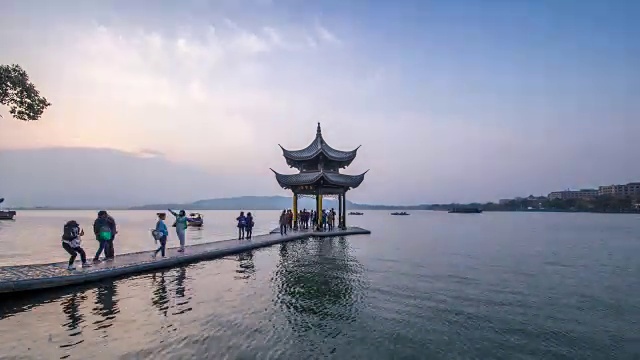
(427, 286)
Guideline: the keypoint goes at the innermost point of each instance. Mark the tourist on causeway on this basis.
(249, 226)
(109, 251)
(181, 226)
(283, 222)
(242, 224)
(161, 234)
(71, 241)
(103, 229)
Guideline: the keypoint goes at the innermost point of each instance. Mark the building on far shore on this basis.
(630, 190)
(574, 194)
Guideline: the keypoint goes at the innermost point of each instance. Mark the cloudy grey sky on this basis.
(451, 101)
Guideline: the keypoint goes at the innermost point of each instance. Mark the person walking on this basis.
(161, 234)
(102, 231)
(181, 226)
(249, 225)
(283, 223)
(109, 251)
(71, 241)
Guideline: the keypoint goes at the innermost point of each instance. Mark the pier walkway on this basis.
(42, 276)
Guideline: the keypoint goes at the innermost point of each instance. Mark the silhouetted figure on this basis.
(283, 223)
(242, 224)
(249, 225)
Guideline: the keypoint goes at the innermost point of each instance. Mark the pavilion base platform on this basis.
(45, 276)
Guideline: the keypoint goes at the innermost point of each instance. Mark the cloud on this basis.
(214, 88)
(327, 35)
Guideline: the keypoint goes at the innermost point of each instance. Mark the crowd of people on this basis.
(306, 218)
(105, 230)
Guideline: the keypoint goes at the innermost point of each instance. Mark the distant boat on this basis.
(198, 221)
(403, 213)
(465, 211)
(355, 213)
(6, 214)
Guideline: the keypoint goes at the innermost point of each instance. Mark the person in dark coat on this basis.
(109, 251)
(102, 230)
(249, 225)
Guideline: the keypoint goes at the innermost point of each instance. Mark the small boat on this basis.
(6, 214)
(465, 211)
(403, 213)
(197, 220)
(355, 213)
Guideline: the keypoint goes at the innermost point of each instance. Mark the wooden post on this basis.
(295, 211)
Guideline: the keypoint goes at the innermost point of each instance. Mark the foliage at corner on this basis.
(16, 91)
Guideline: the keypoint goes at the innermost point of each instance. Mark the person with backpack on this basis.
(109, 251)
(249, 225)
(102, 228)
(161, 233)
(71, 241)
(242, 224)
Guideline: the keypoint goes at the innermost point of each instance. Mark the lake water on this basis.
(427, 286)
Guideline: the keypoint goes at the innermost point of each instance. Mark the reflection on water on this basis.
(181, 297)
(246, 267)
(499, 286)
(160, 296)
(106, 306)
(71, 308)
(318, 284)
(165, 295)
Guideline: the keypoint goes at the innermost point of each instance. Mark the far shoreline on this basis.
(358, 209)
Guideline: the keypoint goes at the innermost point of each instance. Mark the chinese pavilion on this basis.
(319, 175)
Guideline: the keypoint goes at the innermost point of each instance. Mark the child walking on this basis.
(160, 233)
(71, 243)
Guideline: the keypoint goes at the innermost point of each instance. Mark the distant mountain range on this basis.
(270, 203)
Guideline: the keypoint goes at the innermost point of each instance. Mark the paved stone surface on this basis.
(42, 276)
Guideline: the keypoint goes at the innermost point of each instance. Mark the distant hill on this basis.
(269, 203)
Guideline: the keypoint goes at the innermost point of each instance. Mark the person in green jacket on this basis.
(181, 224)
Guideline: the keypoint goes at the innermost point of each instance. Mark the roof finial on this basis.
(319, 131)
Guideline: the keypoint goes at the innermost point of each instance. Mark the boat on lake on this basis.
(197, 220)
(6, 214)
(465, 211)
(355, 213)
(402, 213)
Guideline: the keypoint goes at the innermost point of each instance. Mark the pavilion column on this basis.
(340, 212)
(319, 211)
(344, 210)
(295, 211)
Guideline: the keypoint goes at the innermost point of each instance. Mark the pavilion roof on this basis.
(311, 178)
(319, 146)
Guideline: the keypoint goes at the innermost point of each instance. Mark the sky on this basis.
(452, 101)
